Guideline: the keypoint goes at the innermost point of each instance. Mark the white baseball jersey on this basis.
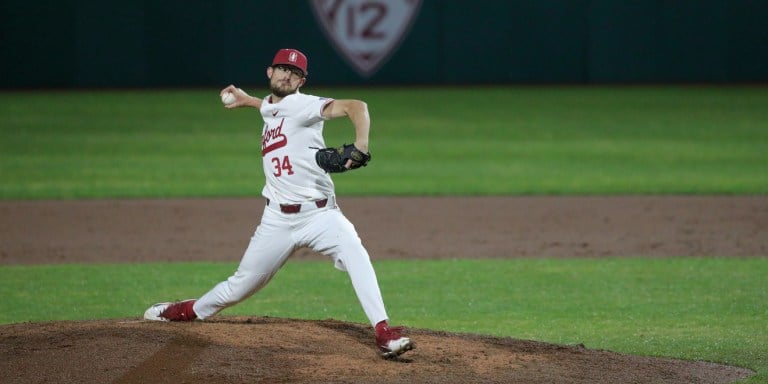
(292, 133)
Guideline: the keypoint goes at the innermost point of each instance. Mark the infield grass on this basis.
(424, 141)
(710, 309)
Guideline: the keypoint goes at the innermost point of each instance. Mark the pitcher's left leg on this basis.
(267, 251)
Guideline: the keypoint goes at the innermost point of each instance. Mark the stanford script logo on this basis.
(273, 138)
(366, 32)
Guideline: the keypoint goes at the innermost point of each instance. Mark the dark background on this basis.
(171, 43)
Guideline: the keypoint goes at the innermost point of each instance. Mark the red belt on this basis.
(296, 208)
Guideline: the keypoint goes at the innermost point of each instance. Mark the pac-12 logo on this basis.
(366, 32)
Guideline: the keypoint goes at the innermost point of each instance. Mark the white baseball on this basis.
(227, 98)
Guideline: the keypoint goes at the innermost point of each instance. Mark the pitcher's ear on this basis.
(269, 72)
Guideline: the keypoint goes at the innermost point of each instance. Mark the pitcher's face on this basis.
(284, 80)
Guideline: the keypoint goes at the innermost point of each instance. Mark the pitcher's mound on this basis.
(273, 350)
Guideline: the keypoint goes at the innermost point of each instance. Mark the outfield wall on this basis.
(87, 43)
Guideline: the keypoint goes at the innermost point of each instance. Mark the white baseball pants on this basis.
(325, 230)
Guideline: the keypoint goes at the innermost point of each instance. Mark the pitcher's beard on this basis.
(281, 92)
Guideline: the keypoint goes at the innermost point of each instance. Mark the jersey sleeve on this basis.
(313, 112)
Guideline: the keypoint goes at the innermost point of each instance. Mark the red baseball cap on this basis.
(291, 57)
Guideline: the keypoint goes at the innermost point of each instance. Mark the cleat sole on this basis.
(394, 354)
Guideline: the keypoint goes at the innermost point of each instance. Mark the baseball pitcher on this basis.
(301, 208)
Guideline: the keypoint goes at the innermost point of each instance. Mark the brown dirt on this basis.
(246, 349)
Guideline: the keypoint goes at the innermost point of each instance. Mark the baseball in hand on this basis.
(227, 98)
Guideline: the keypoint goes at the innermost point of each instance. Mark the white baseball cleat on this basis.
(390, 342)
(155, 312)
(396, 347)
(176, 311)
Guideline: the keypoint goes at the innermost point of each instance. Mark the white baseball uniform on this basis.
(301, 211)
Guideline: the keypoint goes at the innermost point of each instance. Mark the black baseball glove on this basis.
(333, 160)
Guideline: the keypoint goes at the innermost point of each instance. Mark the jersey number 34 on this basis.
(282, 165)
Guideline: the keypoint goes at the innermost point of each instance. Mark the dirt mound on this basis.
(271, 350)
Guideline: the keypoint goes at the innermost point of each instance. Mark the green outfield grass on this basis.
(710, 309)
(425, 141)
